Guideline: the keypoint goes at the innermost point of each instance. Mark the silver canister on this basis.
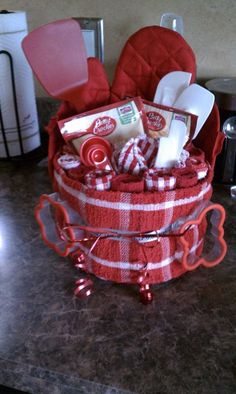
(224, 90)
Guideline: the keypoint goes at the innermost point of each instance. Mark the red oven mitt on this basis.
(148, 55)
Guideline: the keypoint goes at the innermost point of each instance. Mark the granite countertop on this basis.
(52, 342)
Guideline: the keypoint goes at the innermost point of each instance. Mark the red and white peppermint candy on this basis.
(68, 161)
(159, 180)
(98, 179)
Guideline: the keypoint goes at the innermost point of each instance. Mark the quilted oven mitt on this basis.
(147, 56)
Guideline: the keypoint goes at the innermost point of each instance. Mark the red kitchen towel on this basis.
(127, 183)
(78, 173)
(149, 149)
(123, 261)
(96, 92)
(210, 139)
(129, 211)
(200, 166)
(185, 177)
(137, 155)
(196, 152)
(131, 159)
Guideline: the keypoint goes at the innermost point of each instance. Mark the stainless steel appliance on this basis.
(224, 90)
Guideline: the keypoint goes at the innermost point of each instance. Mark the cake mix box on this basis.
(159, 118)
(116, 122)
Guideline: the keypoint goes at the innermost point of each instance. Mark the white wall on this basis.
(210, 27)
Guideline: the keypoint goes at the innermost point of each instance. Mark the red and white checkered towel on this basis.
(98, 179)
(159, 180)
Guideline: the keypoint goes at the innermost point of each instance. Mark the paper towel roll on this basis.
(13, 28)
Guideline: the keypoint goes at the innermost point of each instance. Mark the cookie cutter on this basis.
(52, 215)
(217, 249)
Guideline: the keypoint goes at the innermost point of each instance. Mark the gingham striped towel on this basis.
(99, 179)
(159, 180)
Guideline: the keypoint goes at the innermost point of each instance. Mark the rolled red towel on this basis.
(127, 183)
(196, 152)
(185, 177)
(78, 173)
(200, 166)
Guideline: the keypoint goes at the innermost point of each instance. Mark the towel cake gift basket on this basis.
(128, 221)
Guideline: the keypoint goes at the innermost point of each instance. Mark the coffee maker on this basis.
(224, 90)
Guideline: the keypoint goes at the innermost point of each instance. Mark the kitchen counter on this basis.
(52, 342)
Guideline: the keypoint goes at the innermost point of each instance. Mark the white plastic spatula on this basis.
(198, 101)
(170, 147)
(171, 86)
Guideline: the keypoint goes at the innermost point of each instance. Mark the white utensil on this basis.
(173, 22)
(171, 86)
(198, 101)
(170, 147)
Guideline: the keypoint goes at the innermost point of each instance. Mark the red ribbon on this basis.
(84, 287)
(146, 295)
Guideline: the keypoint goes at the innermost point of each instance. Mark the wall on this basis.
(209, 26)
